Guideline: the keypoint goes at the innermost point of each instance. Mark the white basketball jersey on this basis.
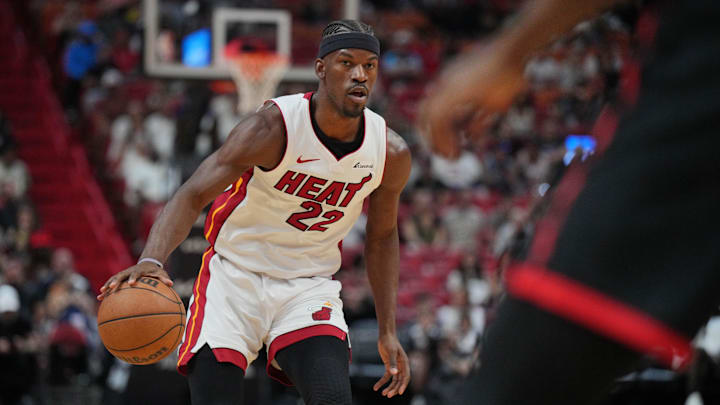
(289, 221)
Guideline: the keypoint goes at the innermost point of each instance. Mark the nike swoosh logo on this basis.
(300, 160)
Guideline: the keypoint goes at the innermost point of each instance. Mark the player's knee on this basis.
(327, 383)
(318, 366)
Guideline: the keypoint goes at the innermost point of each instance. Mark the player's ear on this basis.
(320, 68)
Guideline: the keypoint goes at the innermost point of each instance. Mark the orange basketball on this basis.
(141, 324)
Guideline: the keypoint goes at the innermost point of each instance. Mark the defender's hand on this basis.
(396, 366)
(131, 274)
(474, 87)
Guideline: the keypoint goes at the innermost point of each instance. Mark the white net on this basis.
(256, 76)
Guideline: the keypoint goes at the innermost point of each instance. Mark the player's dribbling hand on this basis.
(131, 274)
(473, 88)
(397, 368)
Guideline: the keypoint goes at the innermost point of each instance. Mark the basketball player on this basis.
(626, 261)
(288, 185)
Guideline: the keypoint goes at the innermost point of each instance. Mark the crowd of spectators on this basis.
(460, 221)
(458, 218)
(48, 336)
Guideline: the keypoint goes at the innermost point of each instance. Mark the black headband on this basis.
(347, 40)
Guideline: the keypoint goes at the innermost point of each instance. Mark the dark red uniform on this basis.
(626, 261)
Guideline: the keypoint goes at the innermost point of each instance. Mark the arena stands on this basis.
(104, 161)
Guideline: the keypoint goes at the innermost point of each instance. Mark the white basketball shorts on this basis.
(235, 312)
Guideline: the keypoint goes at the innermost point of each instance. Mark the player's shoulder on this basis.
(288, 108)
(289, 102)
(292, 97)
(396, 145)
(398, 162)
(257, 139)
(271, 117)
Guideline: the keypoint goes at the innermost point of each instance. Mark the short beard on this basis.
(353, 113)
(345, 111)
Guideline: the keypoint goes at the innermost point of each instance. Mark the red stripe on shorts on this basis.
(197, 312)
(599, 313)
(225, 355)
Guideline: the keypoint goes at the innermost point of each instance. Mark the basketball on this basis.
(141, 324)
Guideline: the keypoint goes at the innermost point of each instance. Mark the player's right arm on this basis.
(258, 140)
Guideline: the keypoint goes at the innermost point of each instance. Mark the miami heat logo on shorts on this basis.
(321, 312)
(322, 315)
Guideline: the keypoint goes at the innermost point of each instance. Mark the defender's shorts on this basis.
(235, 312)
(630, 245)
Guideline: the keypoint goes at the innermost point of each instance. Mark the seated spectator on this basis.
(159, 129)
(64, 289)
(463, 222)
(458, 353)
(460, 173)
(17, 350)
(500, 173)
(22, 239)
(420, 175)
(423, 228)
(469, 277)
(14, 174)
(223, 112)
(460, 349)
(450, 316)
(548, 70)
(62, 267)
(14, 273)
(68, 359)
(123, 131)
(425, 332)
(146, 177)
(534, 164)
(80, 57)
(520, 118)
(97, 92)
(70, 315)
(423, 337)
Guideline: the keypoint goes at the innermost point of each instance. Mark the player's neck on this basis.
(333, 123)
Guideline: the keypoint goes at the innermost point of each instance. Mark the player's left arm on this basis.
(382, 261)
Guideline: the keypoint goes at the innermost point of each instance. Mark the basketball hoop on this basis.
(256, 76)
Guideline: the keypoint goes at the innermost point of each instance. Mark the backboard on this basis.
(188, 38)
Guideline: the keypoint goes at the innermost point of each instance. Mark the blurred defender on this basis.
(626, 261)
(290, 182)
